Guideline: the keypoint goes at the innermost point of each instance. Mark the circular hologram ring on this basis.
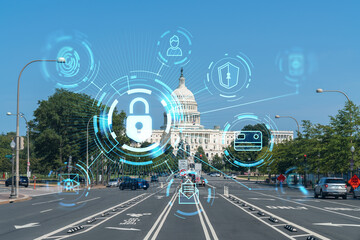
(229, 76)
(73, 184)
(80, 68)
(134, 90)
(250, 140)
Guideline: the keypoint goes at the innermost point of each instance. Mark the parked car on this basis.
(128, 183)
(330, 186)
(230, 176)
(154, 179)
(357, 192)
(142, 183)
(23, 181)
(114, 182)
(215, 174)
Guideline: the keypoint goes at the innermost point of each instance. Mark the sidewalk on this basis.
(4, 198)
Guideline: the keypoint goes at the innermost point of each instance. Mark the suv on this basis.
(23, 181)
(329, 186)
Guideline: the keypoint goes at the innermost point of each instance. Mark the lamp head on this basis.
(8, 113)
(277, 116)
(319, 90)
(61, 60)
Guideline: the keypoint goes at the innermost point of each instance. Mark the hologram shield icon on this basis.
(228, 75)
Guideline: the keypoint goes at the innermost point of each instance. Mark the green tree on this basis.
(60, 125)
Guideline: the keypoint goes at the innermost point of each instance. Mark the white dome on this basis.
(188, 105)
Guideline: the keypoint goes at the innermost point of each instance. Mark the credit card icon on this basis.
(248, 141)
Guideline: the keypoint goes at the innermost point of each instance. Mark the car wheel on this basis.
(133, 187)
(122, 187)
(322, 194)
(344, 197)
(145, 188)
(315, 195)
(336, 197)
(27, 185)
(6, 184)
(354, 196)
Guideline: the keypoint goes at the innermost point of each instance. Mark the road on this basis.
(157, 214)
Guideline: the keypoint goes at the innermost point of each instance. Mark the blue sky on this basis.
(123, 35)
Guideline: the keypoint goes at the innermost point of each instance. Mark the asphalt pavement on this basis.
(242, 211)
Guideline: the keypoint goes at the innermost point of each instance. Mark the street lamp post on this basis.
(352, 149)
(28, 142)
(12, 194)
(87, 145)
(297, 123)
(59, 60)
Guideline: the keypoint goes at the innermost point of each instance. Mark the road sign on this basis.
(8, 156)
(281, 178)
(183, 164)
(354, 181)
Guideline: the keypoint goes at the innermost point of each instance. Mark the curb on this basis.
(25, 198)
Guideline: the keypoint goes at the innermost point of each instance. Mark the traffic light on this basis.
(200, 156)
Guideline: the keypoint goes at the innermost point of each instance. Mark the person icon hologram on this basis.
(174, 50)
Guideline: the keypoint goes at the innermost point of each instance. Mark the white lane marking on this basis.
(269, 199)
(56, 200)
(125, 229)
(48, 210)
(206, 232)
(301, 235)
(28, 225)
(311, 206)
(88, 200)
(337, 224)
(211, 185)
(287, 207)
(215, 237)
(342, 209)
(162, 217)
(281, 219)
(261, 220)
(89, 217)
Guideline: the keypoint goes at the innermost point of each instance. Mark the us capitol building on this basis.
(194, 134)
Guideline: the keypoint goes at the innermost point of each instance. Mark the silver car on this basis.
(330, 186)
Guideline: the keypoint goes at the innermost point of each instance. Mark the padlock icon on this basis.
(139, 127)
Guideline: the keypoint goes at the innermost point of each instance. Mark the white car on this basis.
(114, 182)
(215, 174)
(230, 176)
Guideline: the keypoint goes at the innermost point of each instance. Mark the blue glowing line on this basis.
(248, 103)
(67, 204)
(160, 55)
(179, 216)
(181, 61)
(189, 214)
(66, 86)
(112, 108)
(87, 176)
(245, 64)
(136, 163)
(248, 164)
(139, 90)
(151, 147)
(248, 116)
(168, 187)
(163, 84)
(101, 98)
(227, 96)
(209, 195)
(163, 35)
(187, 37)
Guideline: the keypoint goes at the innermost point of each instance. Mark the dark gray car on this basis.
(330, 186)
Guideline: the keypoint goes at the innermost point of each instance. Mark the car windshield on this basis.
(335, 181)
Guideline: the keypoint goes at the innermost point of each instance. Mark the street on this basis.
(157, 214)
